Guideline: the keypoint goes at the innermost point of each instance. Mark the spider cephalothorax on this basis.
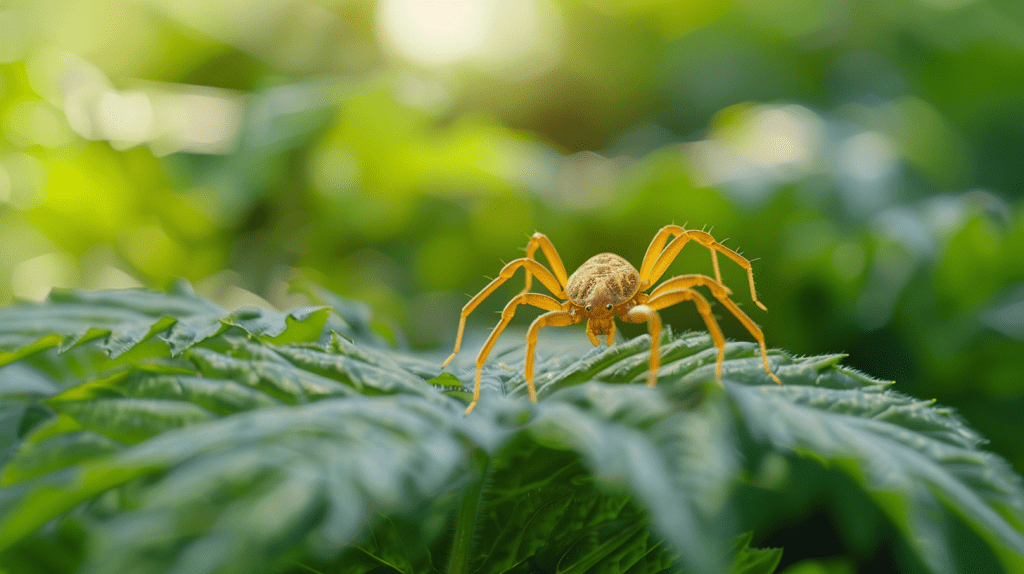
(607, 287)
(601, 288)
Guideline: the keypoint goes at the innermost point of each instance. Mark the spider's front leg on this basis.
(531, 265)
(658, 257)
(554, 318)
(640, 314)
(535, 299)
(538, 239)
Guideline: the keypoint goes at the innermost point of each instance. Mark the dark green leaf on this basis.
(603, 475)
(124, 318)
(749, 560)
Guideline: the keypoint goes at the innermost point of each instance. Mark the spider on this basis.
(606, 286)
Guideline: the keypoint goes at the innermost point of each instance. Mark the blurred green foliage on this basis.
(867, 153)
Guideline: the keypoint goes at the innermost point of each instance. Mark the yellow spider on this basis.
(607, 286)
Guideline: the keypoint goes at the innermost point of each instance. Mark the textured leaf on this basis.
(276, 378)
(57, 452)
(754, 560)
(265, 481)
(132, 420)
(890, 444)
(255, 452)
(677, 464)
(894, 444)
(543, 513)
(122, 319)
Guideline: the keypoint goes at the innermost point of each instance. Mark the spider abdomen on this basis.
(603, 275)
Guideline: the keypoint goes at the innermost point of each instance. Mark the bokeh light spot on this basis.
(867, 156)
(126, 119)
(32, 279)
(511, 39)
(436, 32)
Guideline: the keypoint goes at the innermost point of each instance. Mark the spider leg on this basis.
(721, 293)
(535, 299)
(554, 319)
(669, 298)
(611, 334)
(506, 273)
(640, 314)
(657, 259)
(654, 250)
(654, 253)
(752, 327)
(687, 281)
(540, 240)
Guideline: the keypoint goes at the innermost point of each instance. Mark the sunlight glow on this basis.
(512, 39)
(124, 118)
(32, 279)
(436, 33)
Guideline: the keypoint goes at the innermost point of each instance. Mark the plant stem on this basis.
(465, 522)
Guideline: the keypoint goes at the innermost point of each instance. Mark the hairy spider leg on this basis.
(721, 293)
(643, 313)
(535, 299)
(658, 245)
(650, 271)
(540, 240)
(553, 319)
(649, 312)
(506, 273)
(687, 281)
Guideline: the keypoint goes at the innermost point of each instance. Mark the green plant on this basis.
(156, 432)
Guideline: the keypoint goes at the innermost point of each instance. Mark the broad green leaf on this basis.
(288, 475)
(249, 453)
(57, 452)
(122, 319)
(887, 442)
(676, 463)
(893, 444)
(276, 378)
(131, 420)
(749, 560)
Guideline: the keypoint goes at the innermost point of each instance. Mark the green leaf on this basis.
(248, 454)
(276, 377)
(675, 463)
(892, 444)
(122, 319)
(57, 452)
(265, 482)
(749, 560)
(131, 420)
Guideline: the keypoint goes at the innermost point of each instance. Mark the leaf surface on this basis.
(250, 452)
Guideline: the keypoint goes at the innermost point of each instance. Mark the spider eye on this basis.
(608, 306)
(588, 307)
